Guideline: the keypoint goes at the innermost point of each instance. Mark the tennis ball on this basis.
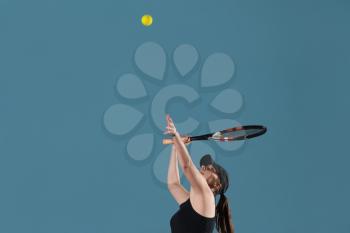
(147, 20)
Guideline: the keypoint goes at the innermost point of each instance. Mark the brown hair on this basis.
(223, 212)
(223, 216)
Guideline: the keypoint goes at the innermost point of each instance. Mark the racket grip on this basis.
(168, 141)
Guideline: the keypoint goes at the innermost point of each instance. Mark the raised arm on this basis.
(173, 170)
(191, 172)
(179, 193)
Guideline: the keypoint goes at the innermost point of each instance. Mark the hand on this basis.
(187, 141)
(170, 128)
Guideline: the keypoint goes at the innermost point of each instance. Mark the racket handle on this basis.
(171, 141)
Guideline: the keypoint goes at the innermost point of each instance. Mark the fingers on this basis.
(170, 133)
(168, 118)
(187, 141)
(170, 128)
(170, 121)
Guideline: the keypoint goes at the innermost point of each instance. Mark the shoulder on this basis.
(203, 203)
(203, 196)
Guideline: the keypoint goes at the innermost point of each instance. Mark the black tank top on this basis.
(187, 220)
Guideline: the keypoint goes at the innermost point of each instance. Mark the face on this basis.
(211, 177)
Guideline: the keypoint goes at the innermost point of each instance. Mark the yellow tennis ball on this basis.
(147, 20)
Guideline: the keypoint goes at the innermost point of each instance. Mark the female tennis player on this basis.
(198, 212)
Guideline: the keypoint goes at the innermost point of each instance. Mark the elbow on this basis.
(172, 185)
(186, 165)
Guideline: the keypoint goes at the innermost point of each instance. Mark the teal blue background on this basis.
(60, 171)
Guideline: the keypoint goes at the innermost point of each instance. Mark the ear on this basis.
(217, 186)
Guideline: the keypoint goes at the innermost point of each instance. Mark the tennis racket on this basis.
(227, 135)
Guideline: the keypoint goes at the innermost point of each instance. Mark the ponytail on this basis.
(223, 216)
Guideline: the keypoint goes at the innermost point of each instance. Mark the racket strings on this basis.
(237, 134)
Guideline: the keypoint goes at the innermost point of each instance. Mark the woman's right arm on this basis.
(179, 193)
(191, 172)
(173, 170)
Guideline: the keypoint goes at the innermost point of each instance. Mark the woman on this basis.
(197, 213)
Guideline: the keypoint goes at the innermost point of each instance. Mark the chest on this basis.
(186, 220)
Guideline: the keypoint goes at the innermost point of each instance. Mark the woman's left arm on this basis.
(189, 168)
(184, 157)
(173, 171)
